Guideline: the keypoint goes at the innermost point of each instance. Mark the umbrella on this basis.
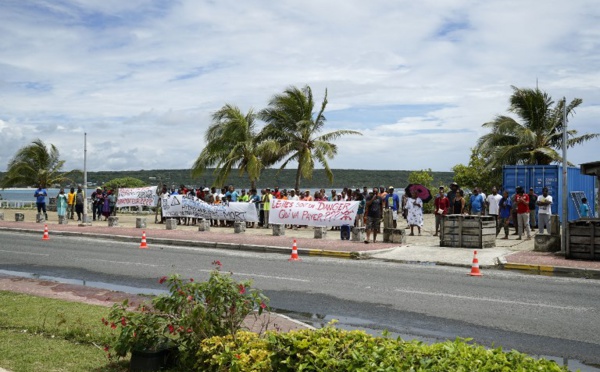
(422, 191)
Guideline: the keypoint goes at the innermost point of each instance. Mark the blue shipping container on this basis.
(550, 176)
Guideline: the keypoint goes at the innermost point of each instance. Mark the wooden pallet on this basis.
(468, 231)
(583, 239)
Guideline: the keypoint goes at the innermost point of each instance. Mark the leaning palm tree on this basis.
(35, 165)
(291, 123)
(537, 139)
(232, 141)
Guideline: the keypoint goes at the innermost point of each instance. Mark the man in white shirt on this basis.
(293, 196)
(493, 204)
(544, 203)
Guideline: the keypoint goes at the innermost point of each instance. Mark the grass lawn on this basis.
(42, 334)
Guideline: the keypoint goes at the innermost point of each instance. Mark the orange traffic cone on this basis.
(475, 268)
(143, 245)
(295, 253)
(46, 236)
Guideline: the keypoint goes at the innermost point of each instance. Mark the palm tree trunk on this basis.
(298, 177)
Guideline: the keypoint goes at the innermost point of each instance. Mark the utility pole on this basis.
(85, 204)
(565, 191)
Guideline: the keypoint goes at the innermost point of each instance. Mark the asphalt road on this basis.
(548, 316)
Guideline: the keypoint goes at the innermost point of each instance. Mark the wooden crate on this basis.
(468, 231)
(583, 239)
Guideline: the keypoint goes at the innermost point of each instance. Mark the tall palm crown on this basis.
(537, 138)
(291, 123)
(35, 165)
(232, 142)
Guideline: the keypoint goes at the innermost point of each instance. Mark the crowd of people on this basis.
(525, 211)
(518, 209)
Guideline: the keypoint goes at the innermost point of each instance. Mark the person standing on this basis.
(476, 203)
(415, 212)
(452, 193)
(532, 203)
(255, 199)
(584, 208)
(267, 206)
(374, 209)
(523, 213)
(360, 214)
(441, 205)
(459, 202)
(61, 203)
(544, 204)
(71, 204)
(504, 211)
(514, 214)
(393, 203)
(493, 204)
(40, 200)
(79, 201)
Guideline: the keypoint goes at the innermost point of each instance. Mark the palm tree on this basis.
(291, 123)
(537, 139)
(34, 165)
(232, 141)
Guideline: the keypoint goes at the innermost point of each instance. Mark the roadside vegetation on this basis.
(42, 334)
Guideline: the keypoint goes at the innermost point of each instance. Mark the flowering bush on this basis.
(189, 313)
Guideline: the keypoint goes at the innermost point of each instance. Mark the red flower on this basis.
(123, 321)
(171, 328)
(106, 348)
(162, 280)
(263, 305)
(113, 325)
(242, 289)
(103, 320)
(189, 330)
(190, 298)
(191, 279)
(217, 263)
(238, 356)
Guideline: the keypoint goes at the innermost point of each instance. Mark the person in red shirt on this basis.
(276, 193)
(522, 201)
(441, 205)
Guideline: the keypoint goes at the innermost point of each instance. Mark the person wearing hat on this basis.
(452, 193)
(392, 201)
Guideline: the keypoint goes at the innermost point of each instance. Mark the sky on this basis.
(417, 78)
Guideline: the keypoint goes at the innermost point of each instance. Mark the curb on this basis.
(214, 245)
(434, 263)
(553, 270)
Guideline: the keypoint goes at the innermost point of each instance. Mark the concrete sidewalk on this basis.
(508, 254)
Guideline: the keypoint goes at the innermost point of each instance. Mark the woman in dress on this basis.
(415, 212)
(106, 206)
(61, 203)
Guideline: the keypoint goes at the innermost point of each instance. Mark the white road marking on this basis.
(125, 262)
(493, 300)
(29, 253)
(266, 276)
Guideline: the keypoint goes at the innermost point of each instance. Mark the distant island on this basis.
(354, 178)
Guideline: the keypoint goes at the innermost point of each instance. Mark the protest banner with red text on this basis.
(290, 212)
(135, 197)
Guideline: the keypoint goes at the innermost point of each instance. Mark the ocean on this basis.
(26, 194)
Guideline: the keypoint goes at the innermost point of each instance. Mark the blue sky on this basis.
(142, 78)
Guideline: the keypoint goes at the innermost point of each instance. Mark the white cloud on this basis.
(143, 77)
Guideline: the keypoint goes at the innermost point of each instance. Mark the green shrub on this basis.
(189, 313)
(331, 349)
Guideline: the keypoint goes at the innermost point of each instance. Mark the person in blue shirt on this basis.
(584, 209)
(255, 198)
(504, 212)
(40, 200)
(476, 203)
(392, 201)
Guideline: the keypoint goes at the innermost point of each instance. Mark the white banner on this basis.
(313, 213)
(186, 206)
(137, 197)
